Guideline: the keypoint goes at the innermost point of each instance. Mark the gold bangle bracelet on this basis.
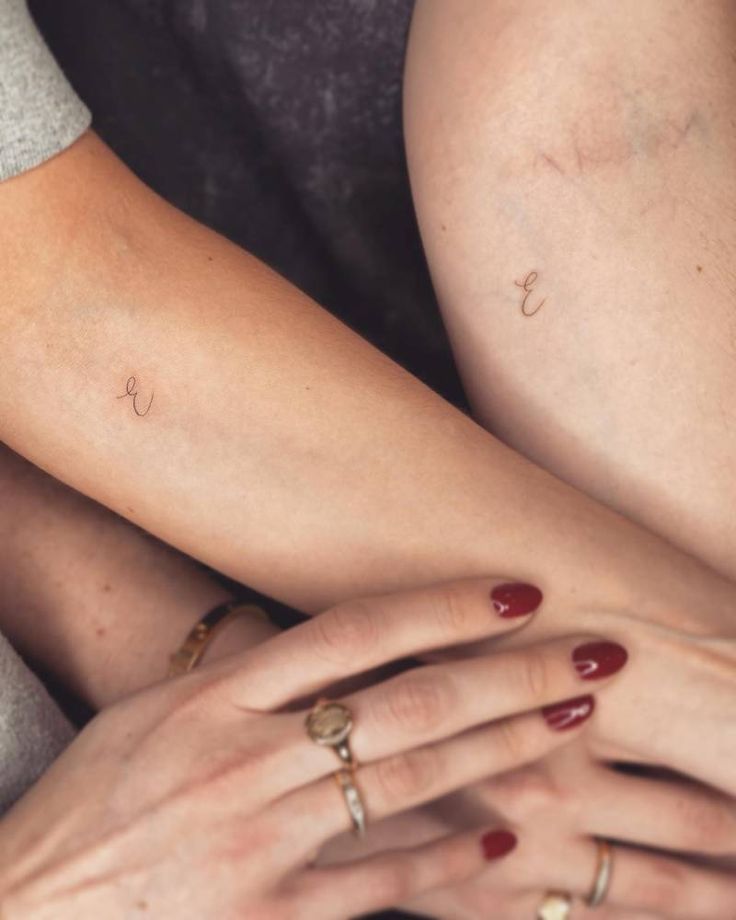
(203, 632)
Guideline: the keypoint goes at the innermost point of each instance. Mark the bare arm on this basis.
(91, 598)
(259, 433)
(275, 444)
(572, 166)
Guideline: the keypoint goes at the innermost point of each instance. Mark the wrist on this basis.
(242, 634)
(237, 621)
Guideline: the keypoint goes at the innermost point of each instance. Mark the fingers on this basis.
(356, 636)
(648, 883)
(394, 876)
(433, 702)
(396, 783)
(525, 908)
(663, 814)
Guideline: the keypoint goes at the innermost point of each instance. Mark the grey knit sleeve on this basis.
(40, 114)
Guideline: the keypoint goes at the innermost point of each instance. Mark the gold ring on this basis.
(555, 906)
(330, 724)
(604, 871)
(346, 781)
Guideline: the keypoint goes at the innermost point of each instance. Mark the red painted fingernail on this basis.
(563, 716)
(515, 600)
(599, 659)
(496, 844)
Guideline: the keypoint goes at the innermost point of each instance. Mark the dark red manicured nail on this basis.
(599, 659)
(562, 716)
(515, 600)
(496, 844)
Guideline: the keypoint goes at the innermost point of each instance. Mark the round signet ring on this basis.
(330, 724)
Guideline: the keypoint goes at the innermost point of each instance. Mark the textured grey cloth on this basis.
(32, 729)
(40, 114)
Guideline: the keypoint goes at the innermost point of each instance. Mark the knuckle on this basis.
(707, 828)
(532, 676)
(417, 703)
(660, 887)
(347, 632)
(196, 700)
(530, 793)
(269, 910)
(513, 742)
(394, 883)
(453, 612)
(406, 777)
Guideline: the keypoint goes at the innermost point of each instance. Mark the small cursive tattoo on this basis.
(132, 392)
(527, 286)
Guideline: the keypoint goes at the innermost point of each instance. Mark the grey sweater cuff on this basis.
(33, 732)
(40, 114)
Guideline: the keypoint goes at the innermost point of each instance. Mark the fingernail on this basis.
(566, 715)
(515, 600)
(496, 844)
(599, 659)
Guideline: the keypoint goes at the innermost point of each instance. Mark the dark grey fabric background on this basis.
(278, 123)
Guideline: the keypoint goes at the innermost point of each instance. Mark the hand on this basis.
(557, 808)
(678, 709)
(676, 706)
(203, 797)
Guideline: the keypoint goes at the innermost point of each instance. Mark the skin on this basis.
(114, 602)
(108, 830)
(606, 162)
(570, 116)
(78, 549)
(82, 296)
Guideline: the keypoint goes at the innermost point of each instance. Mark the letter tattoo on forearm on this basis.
(527, 286)
(131, 391)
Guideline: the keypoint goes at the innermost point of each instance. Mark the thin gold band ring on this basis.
(604, 872)
(346, 782)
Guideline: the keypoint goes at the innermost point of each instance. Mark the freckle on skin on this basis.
(101, 631)
(699, 268)
(106, 589)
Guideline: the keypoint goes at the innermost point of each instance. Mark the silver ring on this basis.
(346, 781)
(602, 881)
(329, 724)
(556, 905)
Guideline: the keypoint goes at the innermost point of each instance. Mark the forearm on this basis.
(602, 138)
(279, 447)
(91, 598)
(321, 471)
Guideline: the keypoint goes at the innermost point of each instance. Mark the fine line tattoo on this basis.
(527, 286)
(132, 392)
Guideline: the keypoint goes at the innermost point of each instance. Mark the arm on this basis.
(93, 599)
(256, 398)
(272, 426)
(602, 139)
